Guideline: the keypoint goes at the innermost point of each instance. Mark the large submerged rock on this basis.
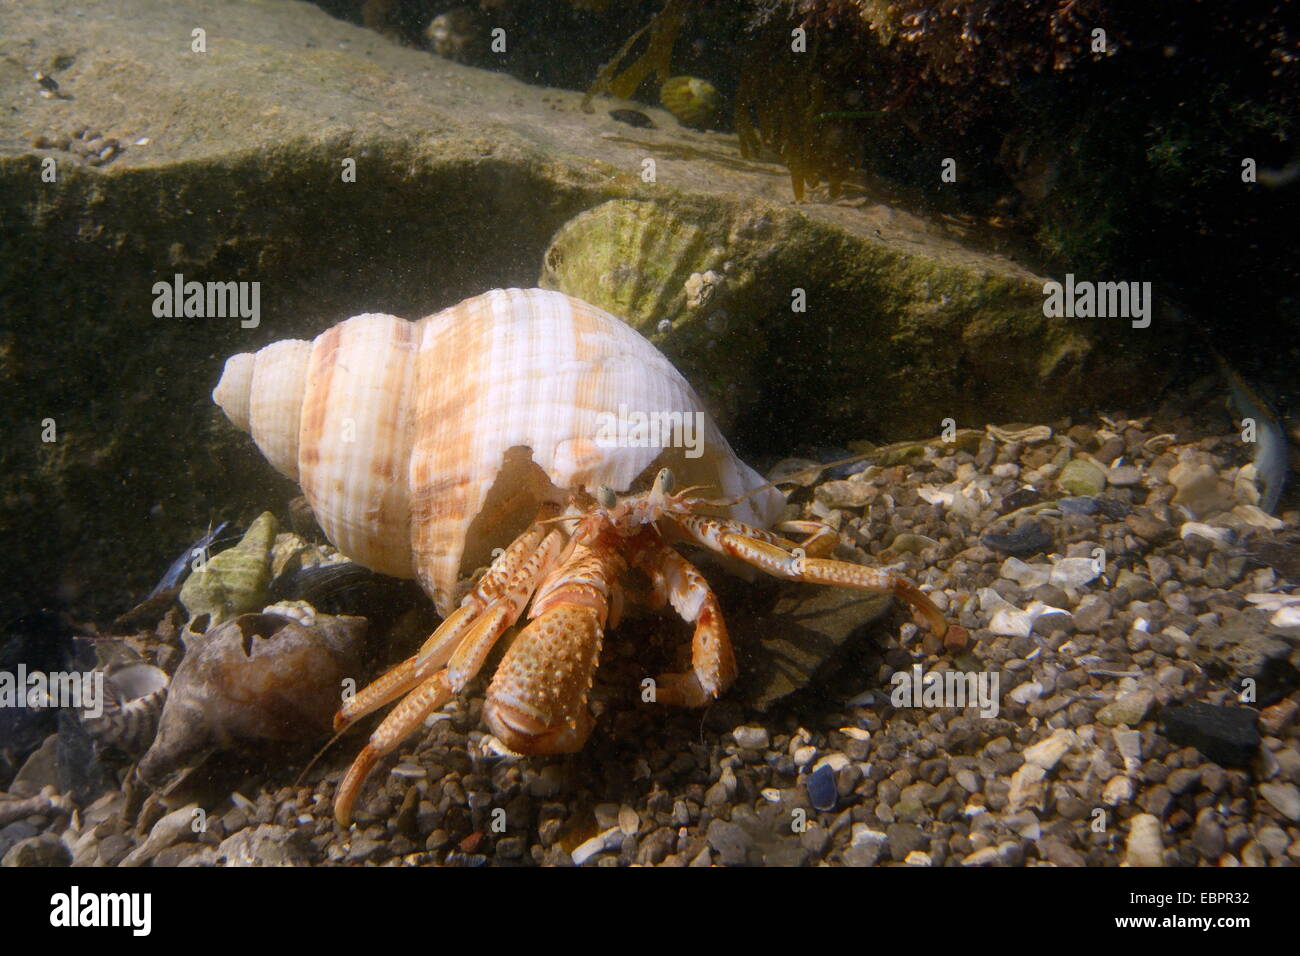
(231, 165)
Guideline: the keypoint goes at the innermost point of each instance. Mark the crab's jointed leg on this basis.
(752, 545)
(713, 662)
(537, 701)
(462, 643)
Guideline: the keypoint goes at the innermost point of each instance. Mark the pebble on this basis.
(1124, 476)
(1199, 489)
(986, 856)
(1207, 835)
(729, 841)
(1277, 717)
(1092, 612)
(904, 839)
(43, 850)
(1028, 576)
(1128, 709)
(1183, 780)
(610, 839)
(1226, 735)
(1074, 573)
(751, 738)
(1057, 851)
(1048, 753)
(1029, 538)
(1274, 840)
(164, 833)
(1082, 478)
(822, 791)
(1028, 786)
(1118, 790)
(1285, 798)
(1144, 846)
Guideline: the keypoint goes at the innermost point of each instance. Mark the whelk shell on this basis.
(421, 446)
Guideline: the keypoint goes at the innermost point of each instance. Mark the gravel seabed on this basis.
(1088, 760)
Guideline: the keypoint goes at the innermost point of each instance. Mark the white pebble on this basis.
(1048, 753)
(1072, 573)
(1118, 789)
(608, 840)
(1145, 846)
(751, 738)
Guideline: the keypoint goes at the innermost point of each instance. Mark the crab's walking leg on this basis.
(440, 645)
(821, 538)
(463, 661)
(537, 701)
(395, 728)
(741, 541)
(713, 663)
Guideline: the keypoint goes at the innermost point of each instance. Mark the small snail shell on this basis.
(422, 445)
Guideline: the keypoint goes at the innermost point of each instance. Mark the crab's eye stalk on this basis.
(665, 482)
(606, 498)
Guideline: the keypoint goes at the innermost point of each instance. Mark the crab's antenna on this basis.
(320, 753)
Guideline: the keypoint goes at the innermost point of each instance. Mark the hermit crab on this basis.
(533, 433)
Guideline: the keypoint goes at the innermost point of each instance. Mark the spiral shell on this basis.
(136, 693)
(256, 677)
(693, 101)
(423, 445)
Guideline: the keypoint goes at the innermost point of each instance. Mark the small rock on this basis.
(1057, 851)
(1029, 538)
(729, 841)
(1118, 790)
(610, 839)
(986, 856)
(1145, 846)
(822, 791)
(1149, 527)
(1092, 612)
(1047, 753)
(1028, 786)
(264, 845)
(1285, 798)
(43, 850)
(1200, 490)
(1128, 709)
(903, 839)
(1226, 735)
(1207, 835)
(1028, 576)
(751, 738)
(1124, 476)
(165, 832)
(1183, 780)
(1082, 478)
(1274, 840)
(1074, 573)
